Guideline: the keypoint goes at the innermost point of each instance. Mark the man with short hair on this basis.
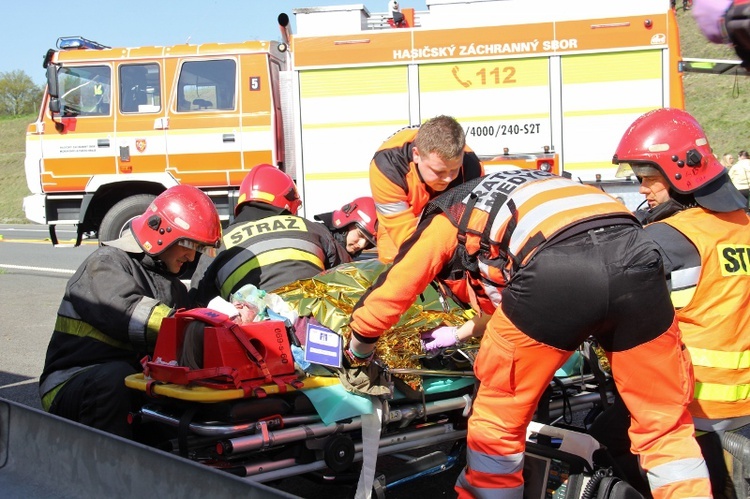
(550, 261)
(410, 169)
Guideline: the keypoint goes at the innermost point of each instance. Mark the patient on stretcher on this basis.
(327, 299)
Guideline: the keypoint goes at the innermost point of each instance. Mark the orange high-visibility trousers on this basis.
(514, 371)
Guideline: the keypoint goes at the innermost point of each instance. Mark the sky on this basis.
(37, 24)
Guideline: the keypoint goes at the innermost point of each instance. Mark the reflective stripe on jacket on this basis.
(269, 248)
(112, 310)
(278, 249)
(400, 194)
(715, 318)
(525, 209)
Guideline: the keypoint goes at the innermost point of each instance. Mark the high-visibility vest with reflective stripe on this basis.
(715, 322)
(533, 207)
(279, 245)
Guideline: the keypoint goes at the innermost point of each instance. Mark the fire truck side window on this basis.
(140, 88)
(207, 86)
(85, 90)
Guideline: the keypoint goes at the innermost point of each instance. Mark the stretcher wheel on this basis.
(338, 453)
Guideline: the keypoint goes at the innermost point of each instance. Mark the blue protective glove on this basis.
(441, 337)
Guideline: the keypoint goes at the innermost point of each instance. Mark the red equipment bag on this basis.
(234, 356)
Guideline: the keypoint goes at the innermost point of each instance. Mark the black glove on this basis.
(737, 23)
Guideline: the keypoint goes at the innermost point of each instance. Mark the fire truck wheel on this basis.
(119, 216)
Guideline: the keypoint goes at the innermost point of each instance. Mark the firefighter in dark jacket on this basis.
(114, 304)
(268, 245)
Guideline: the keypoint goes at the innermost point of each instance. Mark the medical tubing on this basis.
(592, 486)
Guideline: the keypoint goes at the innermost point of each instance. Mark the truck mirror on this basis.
(52, 87)
(56, 108)
(54, 105)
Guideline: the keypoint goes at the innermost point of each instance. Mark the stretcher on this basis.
(293, 423)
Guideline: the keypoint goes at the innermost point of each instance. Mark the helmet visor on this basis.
(626, 169)
(200, 247)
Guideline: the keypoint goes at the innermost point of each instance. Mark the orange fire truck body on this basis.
(535, 84)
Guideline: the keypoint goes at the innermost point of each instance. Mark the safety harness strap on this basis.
(183, 429)
(498, 203)
(465, 216)
(254, 354)
(512, 224)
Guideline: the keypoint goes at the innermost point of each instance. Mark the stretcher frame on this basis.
(255, 449)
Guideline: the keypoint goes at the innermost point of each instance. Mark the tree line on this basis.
(18, 94)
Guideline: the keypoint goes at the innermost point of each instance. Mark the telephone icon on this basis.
(464, 83)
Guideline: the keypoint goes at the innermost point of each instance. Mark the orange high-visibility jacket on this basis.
(523, 209)
(715, 316)
(399, 192)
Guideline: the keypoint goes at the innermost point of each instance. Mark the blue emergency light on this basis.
(78, 42)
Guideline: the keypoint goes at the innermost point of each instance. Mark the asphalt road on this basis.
(33, 275)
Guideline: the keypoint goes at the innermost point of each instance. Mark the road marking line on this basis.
(21, 383)
(39, 269)
(64, 243)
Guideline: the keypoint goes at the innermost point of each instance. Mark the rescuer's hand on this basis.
(709, 16)
(737, 23)
(362, 376)
(355, 359)
(441, 337)
(359, 352)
